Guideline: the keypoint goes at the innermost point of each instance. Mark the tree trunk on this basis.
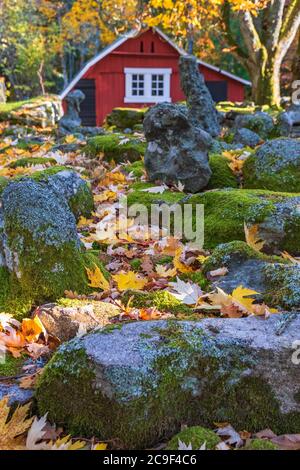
(266, 82)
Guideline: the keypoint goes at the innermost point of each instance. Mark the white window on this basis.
(147, 85)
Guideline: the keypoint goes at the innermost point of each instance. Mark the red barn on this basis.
(141, 69)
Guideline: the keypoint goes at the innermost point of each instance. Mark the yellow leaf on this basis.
(100, 446)
(252, 237)
(105, 196)
(70, 139)
(179, 265)
(31, 329)
(241, 294)
(202, 258)
(129, 280)
(13, 425)
(97, 278)
(83, 222)
(162, 271)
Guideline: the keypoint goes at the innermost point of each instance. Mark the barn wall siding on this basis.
(147, 50)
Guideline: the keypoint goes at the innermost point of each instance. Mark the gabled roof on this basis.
(132, 34)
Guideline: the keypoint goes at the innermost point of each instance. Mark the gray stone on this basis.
(71, 121)
(44, 112)
(260, 122)
(17, 396)
(65, 322)
(40, 250)
(283, 282)
(246, 137)
(201, 108)
(289, 122)
(275, 165)
(139, 383)
(176, 151)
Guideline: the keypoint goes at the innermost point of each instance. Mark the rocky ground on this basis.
(125, 340)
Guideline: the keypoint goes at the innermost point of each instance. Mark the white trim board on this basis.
(147, 80)
(131, 34)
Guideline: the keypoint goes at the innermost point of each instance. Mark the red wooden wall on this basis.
(157, 53)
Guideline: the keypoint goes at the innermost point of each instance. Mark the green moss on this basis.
(26, 162)
(82, 203)
(283, 282)
(288, 177)
(136, 264)
(226, 211)
(113, 149)
(3, 183)
(197, 436)
(122, 118)
(162, 300)
(237, 251)
(136, 168)
(41, 282)
(12, 366)
(196, 277)
(260, 444)
(137, 196)
(222, 176)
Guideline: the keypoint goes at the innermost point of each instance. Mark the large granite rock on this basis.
(289, 122)
(246, 138)
(177, 150)
(40, 252)
(261, 123)
(275, 165)
(68, 318)
(202, 111)
(44, 112)
(139, 383)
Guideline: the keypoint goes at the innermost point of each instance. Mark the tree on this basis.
(267, 35)
(267, 29)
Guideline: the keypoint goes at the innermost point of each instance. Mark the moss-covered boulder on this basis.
(283, 283)
(117, 147)
(40, 252)
(196, 436)
(275, 166)
(246, 138)
(138, 383)
(227, 210)
(126, 118)
(222, 175)
(260, 122)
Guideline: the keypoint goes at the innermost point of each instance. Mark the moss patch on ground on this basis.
(11, 366)
(222, 175)
(197, 436)
(126, 118)
(27, 162)
(116, 147)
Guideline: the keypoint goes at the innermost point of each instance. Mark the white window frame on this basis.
(147, 72)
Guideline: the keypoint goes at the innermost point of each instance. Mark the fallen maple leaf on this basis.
(232, 437)
(13, 425)
(241, 295)
(31, 329)
(252, 237)
(164, 272)
(129, 280)
(287, 441)
(218, 272)
(97, 279)
(179, 265)
(156, 189)
(187, 292)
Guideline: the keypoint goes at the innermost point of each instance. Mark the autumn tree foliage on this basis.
(259, 33)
